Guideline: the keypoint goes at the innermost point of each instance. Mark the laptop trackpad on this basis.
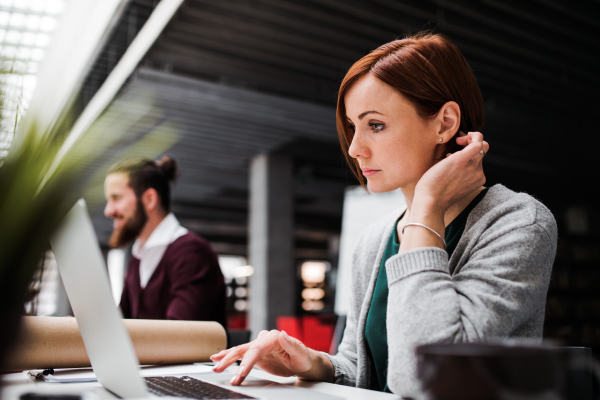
(224, 378)
(266, 389)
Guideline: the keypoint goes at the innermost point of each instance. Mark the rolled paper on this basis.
(55, 342)
(175, 342)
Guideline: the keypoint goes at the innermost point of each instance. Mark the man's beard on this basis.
(131, 229)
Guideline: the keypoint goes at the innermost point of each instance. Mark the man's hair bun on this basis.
(145, 173)
(169, 168)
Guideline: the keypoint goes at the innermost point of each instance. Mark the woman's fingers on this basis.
(300, 360)
(475, 136)
(472, 152)
(259, 348)
(462, 140)
(285, 341)
(457, 175)
(248, 361)
(474, 144)
(469, 138)
(292, 346)
(232, 356)
(219, 355)
(234, 353)
(273, 351)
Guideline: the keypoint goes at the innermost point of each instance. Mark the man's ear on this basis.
(150, 199)
(448, 121)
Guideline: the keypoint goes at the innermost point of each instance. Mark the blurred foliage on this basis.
(42, 178)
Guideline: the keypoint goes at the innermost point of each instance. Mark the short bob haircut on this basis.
(429, 71)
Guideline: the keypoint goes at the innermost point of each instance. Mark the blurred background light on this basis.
(313, 294)
(313, 272)
(26, 27)
(241, 305)
(229, 264)
(312, 305)
(241, 281)
(241, 292)
(243, 271)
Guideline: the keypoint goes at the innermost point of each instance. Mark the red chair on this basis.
(314, 331)
(317, 333)
(291, 325)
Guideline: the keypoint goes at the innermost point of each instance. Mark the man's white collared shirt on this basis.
(151, 253)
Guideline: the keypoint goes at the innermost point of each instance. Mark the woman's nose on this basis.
(357, 147)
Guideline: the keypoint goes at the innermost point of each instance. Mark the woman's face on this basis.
(394, 146)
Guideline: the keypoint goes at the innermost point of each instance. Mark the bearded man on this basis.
(173, 273)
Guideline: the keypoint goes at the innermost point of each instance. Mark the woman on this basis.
(459, 263)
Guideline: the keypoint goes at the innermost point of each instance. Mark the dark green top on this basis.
(376, 331)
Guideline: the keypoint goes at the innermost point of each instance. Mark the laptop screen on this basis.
(85, 277)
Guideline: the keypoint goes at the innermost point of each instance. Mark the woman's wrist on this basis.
(321, 370)
(430, 214)
(425, 206)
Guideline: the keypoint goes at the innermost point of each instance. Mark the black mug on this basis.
(579, 373)
(479, 371)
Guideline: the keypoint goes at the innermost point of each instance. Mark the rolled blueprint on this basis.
(55, 342)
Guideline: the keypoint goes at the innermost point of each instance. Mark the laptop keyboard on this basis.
(189, 387)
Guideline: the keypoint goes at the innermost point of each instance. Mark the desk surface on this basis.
(16, 384)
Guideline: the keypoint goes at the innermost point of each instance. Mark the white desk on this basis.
(16, 384)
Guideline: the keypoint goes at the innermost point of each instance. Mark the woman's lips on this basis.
(369, 172)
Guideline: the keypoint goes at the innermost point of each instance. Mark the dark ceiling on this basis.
(216, 130)
(537, 63)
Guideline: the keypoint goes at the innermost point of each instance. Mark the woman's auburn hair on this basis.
(429, 71)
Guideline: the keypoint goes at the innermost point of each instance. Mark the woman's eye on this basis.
(376, 126)
(351, 127)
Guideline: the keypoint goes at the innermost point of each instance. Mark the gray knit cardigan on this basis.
(494, 286)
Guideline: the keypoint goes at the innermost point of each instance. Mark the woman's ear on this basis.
(448, 121)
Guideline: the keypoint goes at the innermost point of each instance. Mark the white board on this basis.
(360, 210)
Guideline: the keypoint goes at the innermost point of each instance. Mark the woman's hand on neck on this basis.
(452, 212)
(442, 193)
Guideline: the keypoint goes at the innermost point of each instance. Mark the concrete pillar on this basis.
(271, 218)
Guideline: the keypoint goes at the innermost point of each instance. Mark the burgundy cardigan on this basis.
(187, 284)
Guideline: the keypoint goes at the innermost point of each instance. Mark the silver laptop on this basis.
(106, 340)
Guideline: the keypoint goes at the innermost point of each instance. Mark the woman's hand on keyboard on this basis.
(277, 353)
